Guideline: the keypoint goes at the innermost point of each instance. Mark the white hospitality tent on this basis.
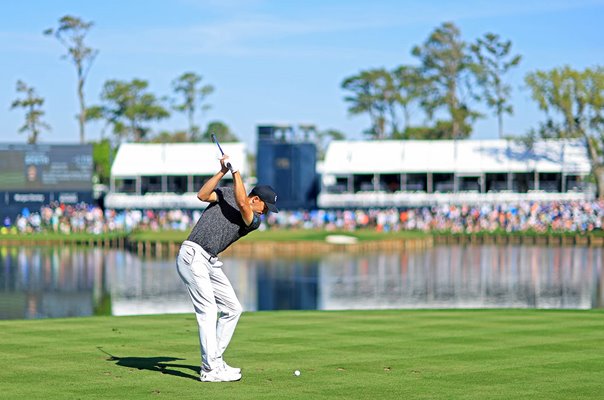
(165, 175)
(460, 156)
(414, 172)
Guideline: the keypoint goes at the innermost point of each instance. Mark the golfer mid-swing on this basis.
(230, 215)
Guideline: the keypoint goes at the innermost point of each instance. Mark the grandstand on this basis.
(364, 174)
(162, 176)
(414, 173)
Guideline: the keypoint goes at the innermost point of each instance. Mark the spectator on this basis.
(574, 216)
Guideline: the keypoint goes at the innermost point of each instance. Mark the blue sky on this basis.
(274, 61)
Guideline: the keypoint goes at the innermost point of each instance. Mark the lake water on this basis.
(46, 282)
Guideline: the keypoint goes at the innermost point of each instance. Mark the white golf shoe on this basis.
(219, 375)
(232, 370)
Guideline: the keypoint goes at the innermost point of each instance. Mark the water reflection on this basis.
(465, 277)
(59, 282)
(50, 282)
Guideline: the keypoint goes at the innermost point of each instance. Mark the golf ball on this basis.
(297, 373)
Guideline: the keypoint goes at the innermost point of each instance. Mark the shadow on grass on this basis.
(157, 364)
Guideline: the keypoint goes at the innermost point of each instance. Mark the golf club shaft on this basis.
(215, 140)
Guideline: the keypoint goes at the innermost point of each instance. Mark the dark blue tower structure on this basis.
(288, 164)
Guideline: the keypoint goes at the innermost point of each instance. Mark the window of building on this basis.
(469, 184)
(496, 182)
(336, 184)
(416, 182)
(363, 183)
(575, 183)
(151, 184)
(522, 182)
(443, 183)
(550, 182)
(127, 185)
(390, 182)
(199, 180)
(177, 184)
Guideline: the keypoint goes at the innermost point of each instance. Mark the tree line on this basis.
(126, 107)
(450, 79)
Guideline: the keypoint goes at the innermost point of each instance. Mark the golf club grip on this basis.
(215, 140)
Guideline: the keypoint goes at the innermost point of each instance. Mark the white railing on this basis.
(153, 201)
(353, 200)
(413, 199)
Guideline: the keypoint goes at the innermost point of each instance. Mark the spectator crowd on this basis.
(576, 216)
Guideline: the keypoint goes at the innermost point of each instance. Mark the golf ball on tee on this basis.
(297, 373)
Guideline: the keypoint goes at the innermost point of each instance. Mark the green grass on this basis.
(285, 235)
(57, 236)
(273, 235)
(427, 354)
(161, 236)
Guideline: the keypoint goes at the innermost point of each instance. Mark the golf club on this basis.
(215, 140)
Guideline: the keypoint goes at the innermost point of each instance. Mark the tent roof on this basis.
(461, 156)
(134, 159)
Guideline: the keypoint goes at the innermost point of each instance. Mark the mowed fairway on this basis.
(424, 354)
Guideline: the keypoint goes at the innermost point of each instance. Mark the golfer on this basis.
(230, 215)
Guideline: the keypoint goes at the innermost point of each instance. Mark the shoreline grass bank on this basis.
(260, 243)
(299, 241)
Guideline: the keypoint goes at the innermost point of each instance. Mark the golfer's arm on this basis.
(241, 198)
(207, 193)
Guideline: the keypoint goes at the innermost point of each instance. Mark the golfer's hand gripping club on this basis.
(232, 167)
(225, 162)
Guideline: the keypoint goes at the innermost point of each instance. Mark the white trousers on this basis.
(211, 293)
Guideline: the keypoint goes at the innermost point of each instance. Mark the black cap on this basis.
(267, 195)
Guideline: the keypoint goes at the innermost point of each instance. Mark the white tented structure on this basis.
(395, 173)
(167, 175)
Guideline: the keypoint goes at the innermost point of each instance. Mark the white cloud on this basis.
(238, 36)
(244, 32)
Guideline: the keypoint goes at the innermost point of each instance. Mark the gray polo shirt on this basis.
(221, 223)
